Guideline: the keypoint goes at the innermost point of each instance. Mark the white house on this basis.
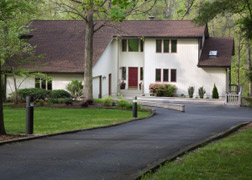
(138, 53)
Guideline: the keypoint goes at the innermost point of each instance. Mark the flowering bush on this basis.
(167, 90)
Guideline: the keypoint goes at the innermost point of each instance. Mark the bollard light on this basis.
(135, 107)
(29, 115)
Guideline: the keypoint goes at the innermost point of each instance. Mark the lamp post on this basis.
(135, 107)
(29, 115)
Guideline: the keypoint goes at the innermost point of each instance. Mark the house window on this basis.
(166, 46)
(158, 46)
(174, 46)
(141, 45)
(141, 73)
(133, 45)
(166, 75)
(124, 45)
(43, 83)
(158, 75)
(173, 75)
(123, 73)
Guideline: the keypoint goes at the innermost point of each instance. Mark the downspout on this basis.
(118, 56)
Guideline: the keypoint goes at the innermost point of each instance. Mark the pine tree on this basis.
(215, 94)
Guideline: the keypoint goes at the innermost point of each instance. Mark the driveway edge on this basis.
(74, 131)
(156, 165)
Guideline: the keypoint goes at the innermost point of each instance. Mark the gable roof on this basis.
(62, 41)
(225, 49)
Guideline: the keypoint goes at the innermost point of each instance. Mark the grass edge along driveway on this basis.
(52, 120)
(227, 159)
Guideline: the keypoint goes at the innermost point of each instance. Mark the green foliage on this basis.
(59, 94)
(75, 88)
(190, 91)
(201, 92)
(167, 90)
(36, 93)
(226, 159)
(215, 94)
(210, 9)
(107, 101)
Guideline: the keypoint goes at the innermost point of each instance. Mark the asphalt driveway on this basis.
(119, 152)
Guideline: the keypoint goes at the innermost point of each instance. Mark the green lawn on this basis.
(228, 159)
(52, 120)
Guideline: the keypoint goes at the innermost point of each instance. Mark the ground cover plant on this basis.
(228, 159)
(51, 120)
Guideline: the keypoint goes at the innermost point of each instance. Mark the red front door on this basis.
(133, 76)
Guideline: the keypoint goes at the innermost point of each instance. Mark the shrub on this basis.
(167, 90)
(59, 94)
(99, 100)
(190, 91)
(107, 101)
(122, 102)
(90, 101)
(75, 88)
(41, 102)
(84, 105)
(182, 95)
(36, 93)
(215, 94)
(201, 92)
(53, 101)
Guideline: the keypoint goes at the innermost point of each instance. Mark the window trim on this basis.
(176, 45)
(167, 75)
(168, 45)
(175, 75)
(160, 45)
(156, 75)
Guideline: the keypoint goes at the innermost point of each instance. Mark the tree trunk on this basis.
(249, 64)
(238, 60)
(88, 79)
(15, 86)
(2, 128)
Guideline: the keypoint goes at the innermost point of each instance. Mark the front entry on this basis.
(133, 77)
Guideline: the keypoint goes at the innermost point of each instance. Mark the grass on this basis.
(229, 159)
(52, 120)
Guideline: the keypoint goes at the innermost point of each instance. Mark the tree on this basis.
(75, 88)
(14, 16)
(209, 10)
(108, 11)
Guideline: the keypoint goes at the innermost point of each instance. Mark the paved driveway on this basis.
(118, 152)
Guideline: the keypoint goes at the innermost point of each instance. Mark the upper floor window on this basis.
(132, 45)
(173, 46)
(166, 46)
(158, 46)
(124, 45)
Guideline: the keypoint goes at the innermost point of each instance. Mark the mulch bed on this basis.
(63, 105)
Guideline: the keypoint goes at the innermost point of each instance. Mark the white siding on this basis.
(60, 81)
(28, 83)
(107, 64)
(185, 62)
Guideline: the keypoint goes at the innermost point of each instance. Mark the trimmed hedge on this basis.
(36, 93)
(54, 94)
(167, 90)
